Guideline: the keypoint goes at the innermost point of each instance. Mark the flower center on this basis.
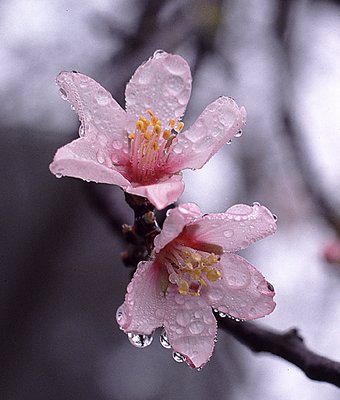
(190, 269)
(150, 145)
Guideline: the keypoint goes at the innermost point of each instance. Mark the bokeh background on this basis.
(61, 274)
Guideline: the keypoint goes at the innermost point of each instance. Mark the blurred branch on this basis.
(288, 345)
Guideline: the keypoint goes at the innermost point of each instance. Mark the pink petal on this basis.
(144, 306)
(176, 220)
(100, 115)
(190, 327)
(160, 194)
(234, 229)
(242, 292)
(81, 159)
(162, 84)
(218, 124)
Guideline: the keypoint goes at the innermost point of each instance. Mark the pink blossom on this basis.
(194, 270)
(144, 148)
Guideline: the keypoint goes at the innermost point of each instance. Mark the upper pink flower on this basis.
(194, 269)
(143, 149)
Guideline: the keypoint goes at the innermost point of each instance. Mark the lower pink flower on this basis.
(194, 270)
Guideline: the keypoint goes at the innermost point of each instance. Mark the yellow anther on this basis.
(195, 294)
(141, 118)
(202, 282)
(152, 114)
(183, 286)
(195, 274)
(139, 125)
(155, 146)
(197, 257)
(172, 123)
(157, 129)
(147, 135)
(213, 275)
(179, 127)
(166, 134)
(131, 136)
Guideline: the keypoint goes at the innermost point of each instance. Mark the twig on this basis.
(288, 345)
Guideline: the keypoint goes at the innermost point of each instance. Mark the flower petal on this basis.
(162, 84)
(100, 115)
(190, 327)
(144, 306)
(81, 159)
(176, 220)
(218, 124)
(234, 229)
(242, 292)
(160, 194)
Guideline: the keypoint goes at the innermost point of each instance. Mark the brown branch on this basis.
(288, 345)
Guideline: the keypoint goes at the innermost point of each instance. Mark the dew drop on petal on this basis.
(63, 94)
(238, 133)
(81, 130)
(228, 233)
(196, 327)
(139, 340)
(158, 53)
(58, 175)
(164, 340)
(275, 217)
(222, 314)
(178, 357)
(100, 157)
(229, 141)
(256, 204)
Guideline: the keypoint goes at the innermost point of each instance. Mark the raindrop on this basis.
(120, 314)
(100, 157)
(178, 357)
(275, 217)
(238, 133)
(158, 53)
(199, 369)
(164, 340)
(228, 233)
(58, 175)
(270, 287)
(63, 94)
(229, 141)
(81, 130)
(256, 204)
(139, 340)
(222, 314)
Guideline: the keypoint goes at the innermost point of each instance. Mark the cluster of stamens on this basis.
(150, 145)
(191, 270)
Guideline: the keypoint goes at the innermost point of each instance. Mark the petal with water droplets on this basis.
(190, 327)
(162, 84)
(218, 123)
(80, 159)
(242, 292)
(176, 220)
(233, 230)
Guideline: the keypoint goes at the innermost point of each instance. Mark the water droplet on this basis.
(117, 144)
(121, 314)
(178, 149)
(158, 53)
(139, 340)
(178, 357)
(228, 233)
(164, 340)
(238, 133)
(183, 318)
(275, 217)
(100, 157)
(196, 327)
(58, 175)
(81, 130)
(215, 294)
(270, 287)
(175, 84)
(229, 141)
(222, 314)
(256, 204)
(102, 97)
(63, 94)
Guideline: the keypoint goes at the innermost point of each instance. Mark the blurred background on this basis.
(61, 274)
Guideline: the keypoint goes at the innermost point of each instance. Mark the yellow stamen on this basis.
(172, 123)
(139, 125)
(155, 146)
(131, 136)
(166, 134)
(179, 127)
(157, 129)
(213, 275)
(183, 286)
(147, 135)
